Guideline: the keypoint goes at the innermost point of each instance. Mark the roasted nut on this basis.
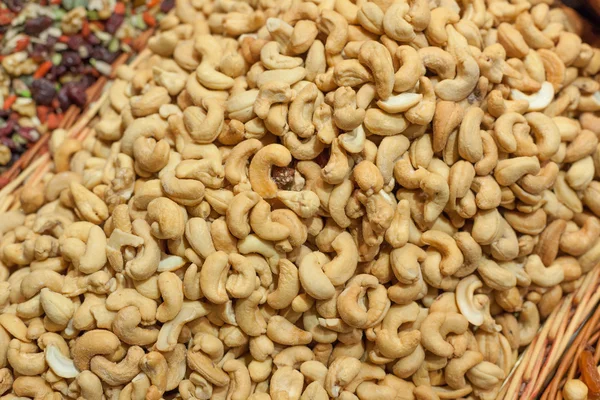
(262, 213)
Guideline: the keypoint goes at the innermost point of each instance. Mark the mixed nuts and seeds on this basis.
(52, 51)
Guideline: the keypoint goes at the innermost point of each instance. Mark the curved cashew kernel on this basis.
(486, 375)
(411, 69)
(437, 190)
(546, 134)
(170, 287)
(448, 116)
(470, 145)
(301, 111)
(151, 155)
(577, 241)
(271, 57)
(205, 127)
(147, 259)
(436, 30)
(353, 142)
(541, 275)
(400, 103)
(32, 387)
(272, 93)
(346, 115)
(154, 365)
(338, 165)
(370, 16)
(336, 28)
(125, 326)
(240, 383)
(341, 372)
(338, 200)
(213, 277)
(466, 79)
(58, 308)
(150, 126)
(458, 367)
(169, 332)
(529, 224)
(235, 166)
(378, 60)
(260, 168)
(176, 361)
(381, 123)
(63, 154)
(23, 360)
(286, 382)
(581, 173)
(62, 365)
(422, 113)
(389, 341)
(93, 343)
(368, 177)
(263, 226)
(237, 216)
(511, 170)
(405, 262)
(582, 146)
(304, 203)
(529, 323)
(150, 102)
(242, 283)
(122, 298)
(495, 276)
(395, 23)
(254, 244)
(348, 302)
(282, 331)
(249, 317)
(89, 206)
(537, 101)
(313, 279)
(503, 131)
(397, 234)
(436, 326)
(472, 306)
(288, 286)
(439, 61)
(343, 265)
(36, 280)
(119, 373)
(166, 218)
(452, 257)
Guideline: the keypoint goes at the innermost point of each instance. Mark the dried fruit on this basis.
(68, 42)
(76, 94)
(43, 91)
(114, 22)
(589, 374)
(35, 26)
(70, 59)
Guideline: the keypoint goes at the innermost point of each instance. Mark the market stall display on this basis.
(287, 201)
(51, 53)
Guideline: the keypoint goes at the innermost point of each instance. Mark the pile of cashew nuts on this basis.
(309, 200)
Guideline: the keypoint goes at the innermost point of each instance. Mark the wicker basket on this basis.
(568, 368)
(538, 362)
